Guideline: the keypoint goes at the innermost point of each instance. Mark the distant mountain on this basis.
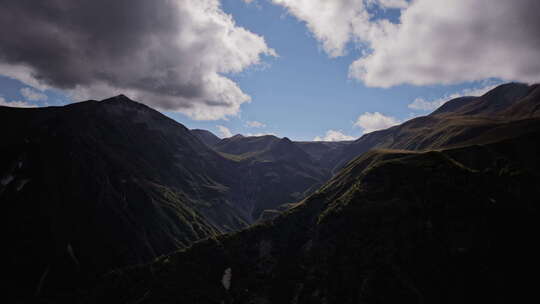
(269, 163)
(207, 137)
(459, 121)
(264, 148)
(449, 226)
(508, 101)
(323, 151)
(244, 147)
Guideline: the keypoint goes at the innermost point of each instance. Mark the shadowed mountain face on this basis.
(207, 137)
(261, 148)
(96, 185)
(323, 152)
(102, 184)
(275, 169)
(449, 226)
(268, 163)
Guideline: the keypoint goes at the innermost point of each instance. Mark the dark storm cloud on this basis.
(168, 53)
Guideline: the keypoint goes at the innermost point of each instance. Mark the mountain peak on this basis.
(508, 92)
(119, 98)
(125, 102)
(286, 139)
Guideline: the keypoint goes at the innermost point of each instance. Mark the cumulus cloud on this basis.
(426, 105)
(255, 124)
(33, 95)
(331, 22)
(224, 131)
(15, 104)
(434, 42)
(261, 134)
(456, 41)
(422, 104)
(370, 122)
(172, 55)
(389, 3)
(334, 135)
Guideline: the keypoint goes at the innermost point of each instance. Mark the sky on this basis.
(303, 69)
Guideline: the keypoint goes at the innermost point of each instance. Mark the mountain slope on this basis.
(96, 185)
(450, 226)
(465, 119)
(207, 137)
(496, 102)
(269, 163)
(323, 152)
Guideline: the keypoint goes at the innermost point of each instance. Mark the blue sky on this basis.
(303, 92)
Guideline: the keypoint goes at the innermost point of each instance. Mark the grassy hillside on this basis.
(464, 120)
(448, 226)
(268, 163)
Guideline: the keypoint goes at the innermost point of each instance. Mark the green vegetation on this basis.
(392, 226)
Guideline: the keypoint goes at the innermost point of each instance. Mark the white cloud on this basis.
(255, 124)
(33, 95)
(224, 131)
(390, 3)
(441, 41)
(334, 135)
(332, 22)
(15, 104)
(434, 42)
(370, 122)
(422, 104)
(172, 55)
(261, 134)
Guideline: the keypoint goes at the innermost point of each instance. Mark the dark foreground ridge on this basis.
(450, 226)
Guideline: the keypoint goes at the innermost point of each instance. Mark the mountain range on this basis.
(439, 209)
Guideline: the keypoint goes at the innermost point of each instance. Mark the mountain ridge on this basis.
(456, 119)
(149, 186)
(443, 236)
(120, 170)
